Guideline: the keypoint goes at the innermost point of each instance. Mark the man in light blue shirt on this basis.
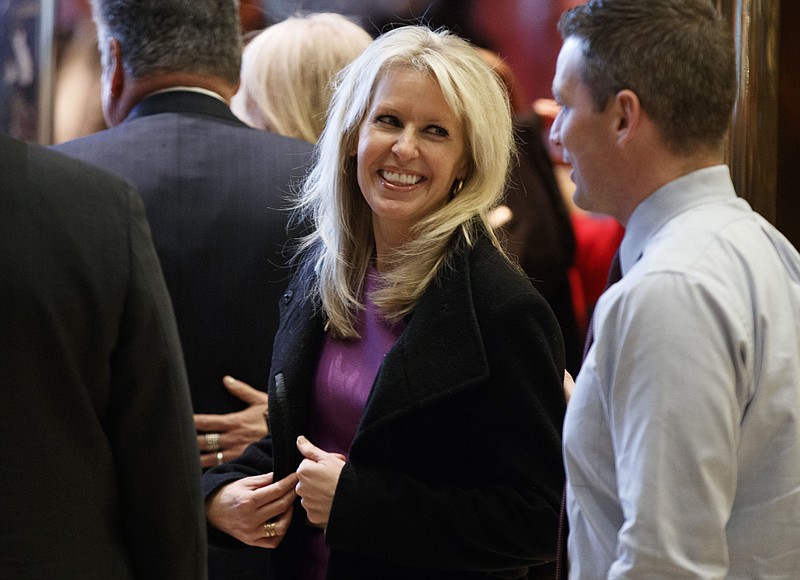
(682, 436)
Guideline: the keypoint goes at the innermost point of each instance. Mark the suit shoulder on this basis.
(273, 152)
(56, 172)
(72, 207)
(284, 143)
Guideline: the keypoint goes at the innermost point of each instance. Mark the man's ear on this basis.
(116, 69)
(113, 69)
(627, 115)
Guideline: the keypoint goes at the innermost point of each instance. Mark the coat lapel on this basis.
(440, 352)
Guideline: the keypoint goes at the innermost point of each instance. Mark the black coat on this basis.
(99, 466)
(455, 470)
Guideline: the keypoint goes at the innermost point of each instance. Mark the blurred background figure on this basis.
(77, 109)
(100, 468)
(522, 31)
(376, 16)
(534, 220)
(287, 71)
(18, 86)
(597, 237)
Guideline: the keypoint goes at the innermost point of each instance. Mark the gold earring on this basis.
(457, 186)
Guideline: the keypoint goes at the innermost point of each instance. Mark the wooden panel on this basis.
(788, 198)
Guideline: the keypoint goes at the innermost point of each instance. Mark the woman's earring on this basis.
(458, 184)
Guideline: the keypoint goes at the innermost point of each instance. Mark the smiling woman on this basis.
(409, 345)
(411, 155)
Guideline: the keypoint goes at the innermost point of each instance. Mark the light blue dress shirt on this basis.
(682, 437)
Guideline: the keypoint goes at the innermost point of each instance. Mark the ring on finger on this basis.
(212, 440)
(219, 457)
(270, 529)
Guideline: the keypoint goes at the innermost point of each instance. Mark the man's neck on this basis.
(661, 168)
(136, 90)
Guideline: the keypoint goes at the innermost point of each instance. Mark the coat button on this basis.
(287, 297)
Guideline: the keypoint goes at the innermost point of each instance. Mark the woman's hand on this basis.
(317, 476)
(235, 431)
(254, 510)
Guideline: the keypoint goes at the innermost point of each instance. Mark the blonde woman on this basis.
(415, 398)
(287, 70)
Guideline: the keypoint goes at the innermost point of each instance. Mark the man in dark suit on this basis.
(99, 468)
(215, 193)
(212, 188)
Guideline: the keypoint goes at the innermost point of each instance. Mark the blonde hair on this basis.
(341, 245)
(287, 69)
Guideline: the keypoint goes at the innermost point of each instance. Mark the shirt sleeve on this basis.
(670, 365)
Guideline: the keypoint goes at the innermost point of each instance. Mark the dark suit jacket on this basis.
(212, 188)
(99, 465)
(455, 470)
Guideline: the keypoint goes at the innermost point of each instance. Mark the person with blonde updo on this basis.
(286, 72)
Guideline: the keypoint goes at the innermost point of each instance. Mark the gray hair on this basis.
(676, 55)
(196, 36)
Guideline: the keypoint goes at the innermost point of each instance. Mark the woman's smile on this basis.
(393, 178)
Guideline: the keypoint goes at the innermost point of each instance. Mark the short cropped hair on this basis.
(676, 55)
(342, 243)
(197, 36)
(287, 71)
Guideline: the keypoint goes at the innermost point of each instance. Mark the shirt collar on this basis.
(677, 196)
(200, 90)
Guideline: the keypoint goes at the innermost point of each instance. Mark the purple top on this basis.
(346, 371)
